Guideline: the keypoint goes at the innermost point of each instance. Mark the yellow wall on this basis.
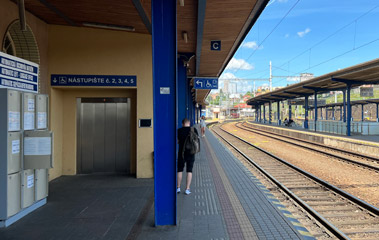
(99, 52)
(8, 14)
(74, 50)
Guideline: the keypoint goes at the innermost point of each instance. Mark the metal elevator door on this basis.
(103, 144)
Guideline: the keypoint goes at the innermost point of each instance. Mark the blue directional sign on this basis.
(206, 83)
(17, 73)
(93, 80)
(216, 45)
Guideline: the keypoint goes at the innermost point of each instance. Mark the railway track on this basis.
(343, 215)
(368, 162)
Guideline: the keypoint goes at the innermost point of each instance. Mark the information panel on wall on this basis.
(93, 80)
(17, 73)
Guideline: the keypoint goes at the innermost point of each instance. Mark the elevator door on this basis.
(103, 135)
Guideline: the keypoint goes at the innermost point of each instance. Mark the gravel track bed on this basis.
(325, 149)
(362, 183)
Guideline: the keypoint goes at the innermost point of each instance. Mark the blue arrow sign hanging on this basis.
(206, 83)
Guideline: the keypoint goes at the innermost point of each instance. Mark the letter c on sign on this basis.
(215, 45)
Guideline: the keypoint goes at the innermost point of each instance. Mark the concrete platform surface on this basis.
(227, 202)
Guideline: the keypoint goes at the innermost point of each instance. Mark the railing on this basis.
(338, 127)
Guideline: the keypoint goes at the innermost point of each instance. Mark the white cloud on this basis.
(303, 33)
(252, 45)
(228, 75)
(287, 35)
(239, 64)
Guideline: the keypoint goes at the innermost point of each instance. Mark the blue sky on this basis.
(317, 36)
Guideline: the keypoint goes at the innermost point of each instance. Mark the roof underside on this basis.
(361, 74)
(228, 21)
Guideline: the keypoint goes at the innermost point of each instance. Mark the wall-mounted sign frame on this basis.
(66, 80)
(17, 73)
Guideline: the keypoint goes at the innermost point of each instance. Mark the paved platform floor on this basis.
(227, 202)
(85, 207)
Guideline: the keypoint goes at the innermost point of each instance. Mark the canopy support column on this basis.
(344, 105)
(289, 110)
(264, 113)
(164, 76)
(306, 112)
(269, 113)
(278, 108)
(315, 113)
(348, 106)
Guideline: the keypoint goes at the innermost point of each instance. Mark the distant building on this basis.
(225, 89)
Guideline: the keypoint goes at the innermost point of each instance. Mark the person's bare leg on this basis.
(180, 175)
(189, 179)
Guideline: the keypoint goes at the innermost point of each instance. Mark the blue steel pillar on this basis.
(348, 106)
(278, 108)
(264, 113)
(289, 110)
(341, 113)
(306, 112)
(377, 112)
(260, 113)
(181, 89)
(269, 113)
(362, 112)
(164, 78)
(315, 104)
(344, 105)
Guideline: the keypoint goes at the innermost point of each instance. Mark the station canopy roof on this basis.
(361, 74)
(200, 21)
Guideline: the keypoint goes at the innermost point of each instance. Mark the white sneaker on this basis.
(178, 190)
(188, 192)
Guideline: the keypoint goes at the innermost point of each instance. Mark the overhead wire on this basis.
(276, 26)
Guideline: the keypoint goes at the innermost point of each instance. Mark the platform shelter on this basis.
(342, 80)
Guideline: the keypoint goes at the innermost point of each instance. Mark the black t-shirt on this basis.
(182, 135)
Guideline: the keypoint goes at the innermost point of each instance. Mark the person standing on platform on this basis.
(186, 156)
(202, 126)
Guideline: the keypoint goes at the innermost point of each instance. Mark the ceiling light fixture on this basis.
(109, 26)
(185, 37)
(181, 3)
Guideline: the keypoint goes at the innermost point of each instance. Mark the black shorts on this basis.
(188, 159)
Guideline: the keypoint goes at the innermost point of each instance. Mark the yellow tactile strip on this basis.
(229, 201)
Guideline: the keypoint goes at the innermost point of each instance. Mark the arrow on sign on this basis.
(198, 82)
(55, 80)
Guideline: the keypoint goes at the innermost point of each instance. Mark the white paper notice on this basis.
(14, 121)
(15, 146)
(30, 105)
(37, 146)
(28, 120)
(41, 120)
(30, 181)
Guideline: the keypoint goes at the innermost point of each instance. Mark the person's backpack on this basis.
(192, 143)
